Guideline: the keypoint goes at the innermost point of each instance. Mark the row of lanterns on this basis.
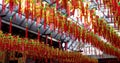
(39, 50)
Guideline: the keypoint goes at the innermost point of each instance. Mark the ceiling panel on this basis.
(17, 19)
(34, 27)
(27, 22)
(8, 15)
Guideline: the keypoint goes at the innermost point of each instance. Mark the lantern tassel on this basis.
(38, 35)
(44, 19)
(0, 24)
(51, 40)
(46, 39)
(10, 29)
(26, 32)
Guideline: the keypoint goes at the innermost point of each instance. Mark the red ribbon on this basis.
(26, 32)
(45, 19)
(10, 29)
(66, 43)
(0, 23)
(51, 40)
(46, 39)
(38, 35)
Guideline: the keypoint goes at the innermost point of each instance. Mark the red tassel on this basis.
(57, 3)
(10, 29)
(65, 27)
(51, 40)
(38, 35)
(108, 13)
(11, 3)
(83, 36)
(114, 22)
(26, 32)
(77, 34)
(55, 23)
(0, 23)
(82, 9)
(3, 6)
(26, 13)
(73, 11)
(45, 19)
(66, 43)
(111, 18)
(46, 39)
(68, 10)
(59, 44)
(119, 10)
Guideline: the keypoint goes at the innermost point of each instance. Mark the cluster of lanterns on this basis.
(37, 49)
(107, 32)
(114, 6)
(36, 9)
